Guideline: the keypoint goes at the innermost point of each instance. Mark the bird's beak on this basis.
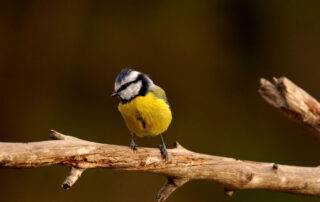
(114, 94)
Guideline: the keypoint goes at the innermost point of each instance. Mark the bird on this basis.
(143, 106)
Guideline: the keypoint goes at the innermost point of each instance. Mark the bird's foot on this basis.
(163, 151)
(133, 146)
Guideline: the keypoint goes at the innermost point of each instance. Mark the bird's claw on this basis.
(133, 146)
(163, 151)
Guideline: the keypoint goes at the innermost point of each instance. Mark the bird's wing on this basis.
(160, 93)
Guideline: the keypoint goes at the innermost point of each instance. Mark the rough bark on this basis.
(182, 166)
(293, 102)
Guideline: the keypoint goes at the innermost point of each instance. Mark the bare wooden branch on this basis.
(182, 166)
(58, 136)
(294, 102)
(228, 192)
(73, 176)
(169, 187)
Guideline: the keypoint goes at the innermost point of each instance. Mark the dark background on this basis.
(58, 61)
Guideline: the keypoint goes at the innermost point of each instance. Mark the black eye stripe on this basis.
(143, 90)
(124, 86)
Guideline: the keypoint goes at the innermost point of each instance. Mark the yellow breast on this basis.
(146, 115)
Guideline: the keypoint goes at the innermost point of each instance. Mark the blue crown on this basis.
(122, 74)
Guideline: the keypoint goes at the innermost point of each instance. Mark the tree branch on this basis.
(293, 102)
(72, 177)
(181, 167)
(169, 187)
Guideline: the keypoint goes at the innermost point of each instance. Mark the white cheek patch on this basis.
(131, 91)
(133, 75)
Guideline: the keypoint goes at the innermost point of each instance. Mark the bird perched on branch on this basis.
(143, 106)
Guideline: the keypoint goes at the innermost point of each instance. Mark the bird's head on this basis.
(130, 84)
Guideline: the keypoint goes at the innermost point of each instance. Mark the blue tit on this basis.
(143, 106)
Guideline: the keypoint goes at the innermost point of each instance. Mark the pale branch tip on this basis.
(59, 136)
(72, 177)
(177, 145)
(55, 135)
(228, 192)
(169, 187)
(294, 102)
(271, 93)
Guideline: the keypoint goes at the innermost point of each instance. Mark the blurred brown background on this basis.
(58, 61)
